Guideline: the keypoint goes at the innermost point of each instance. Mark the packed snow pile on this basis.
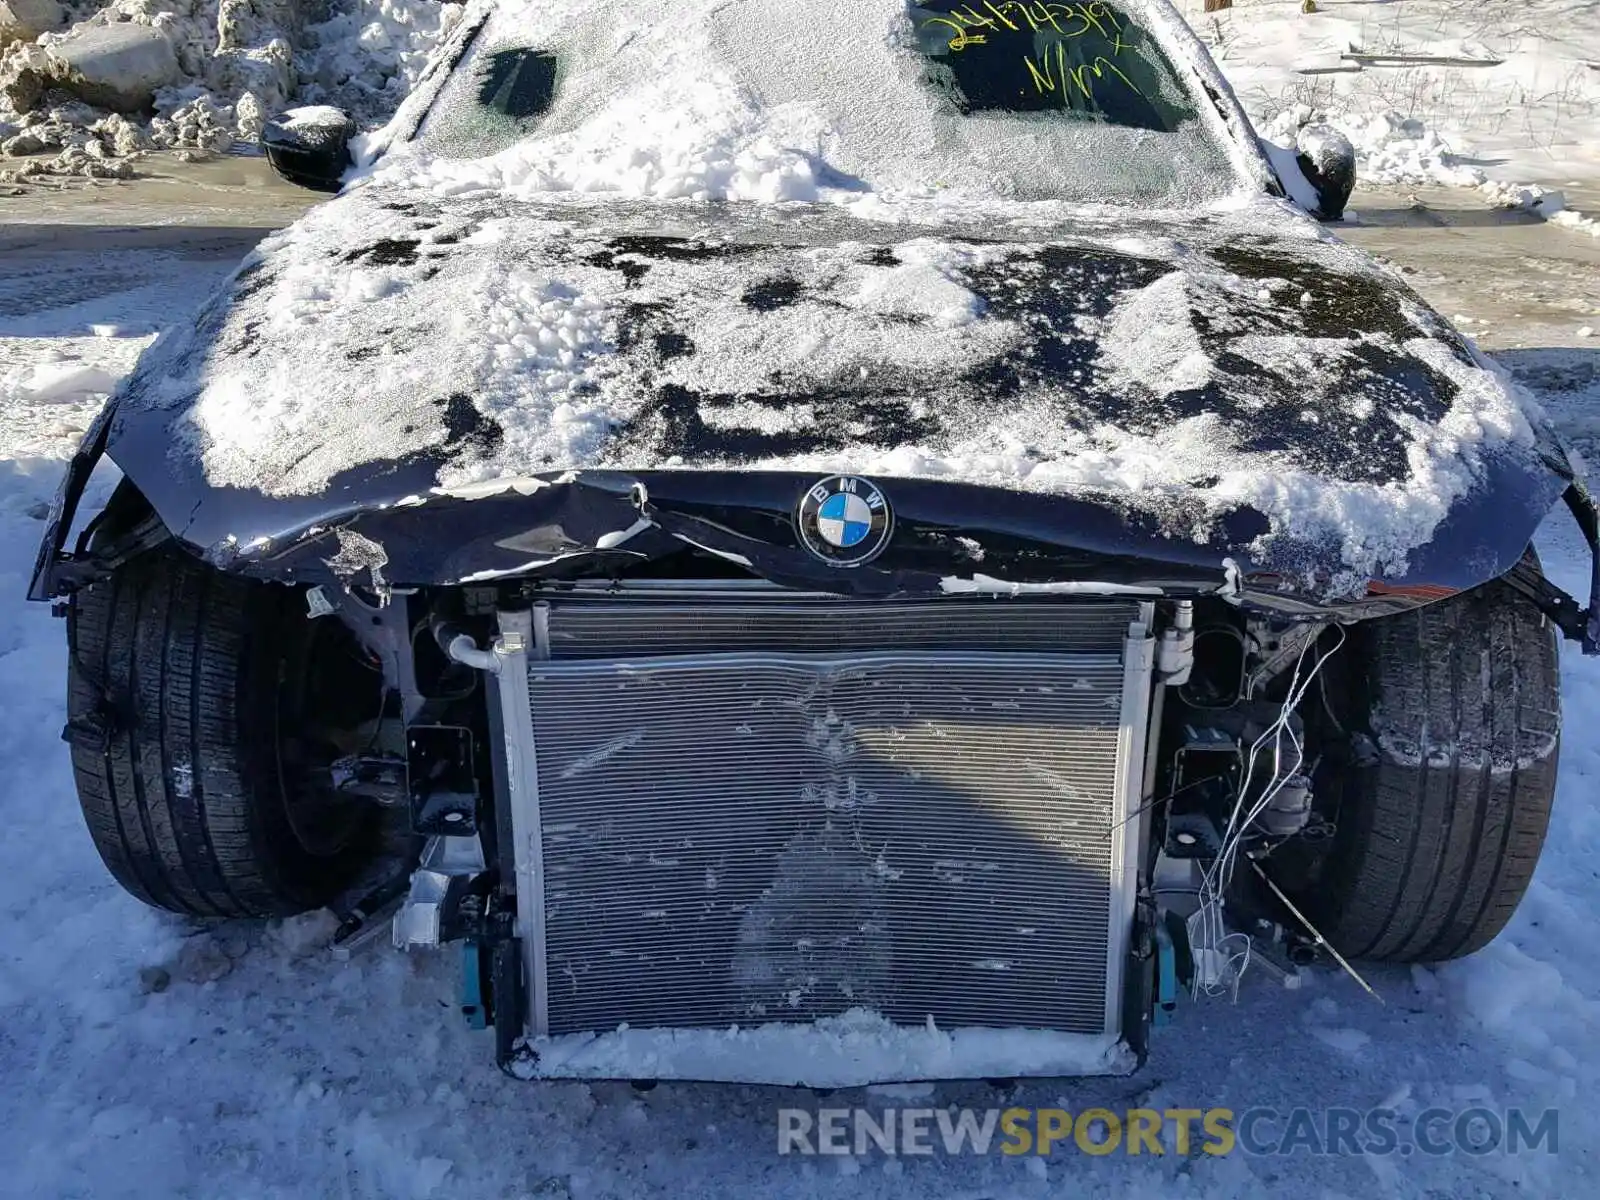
(1491, 95)
(46, 404)
(84, 90)
(1389, 148)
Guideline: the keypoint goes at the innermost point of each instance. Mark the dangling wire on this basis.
(1316, 934)
(1227, 955)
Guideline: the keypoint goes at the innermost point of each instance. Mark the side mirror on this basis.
(310, 146)
(1328, 161)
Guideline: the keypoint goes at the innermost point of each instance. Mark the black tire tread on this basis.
(178, 660)
(1446, 829)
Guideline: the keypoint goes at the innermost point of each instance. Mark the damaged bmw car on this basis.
(821, 544)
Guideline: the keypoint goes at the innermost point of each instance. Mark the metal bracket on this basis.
(1583, 509)
(385, 631)
(318, 604)
(508, 999)
(1128, 817)
(442, 786)
(1166, 974)
(376, 777)
(1191, 835)
(1576, 623)
(1175, 651)
(55, 572)
(518, 639)
(438, 885)
(363, 932)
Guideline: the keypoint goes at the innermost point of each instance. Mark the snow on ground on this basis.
(144, 1055)
(1514, 102)
(1520, 105)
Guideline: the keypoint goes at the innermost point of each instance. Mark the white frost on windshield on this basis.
(751, 100)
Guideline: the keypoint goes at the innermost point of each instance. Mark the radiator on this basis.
(826, 842)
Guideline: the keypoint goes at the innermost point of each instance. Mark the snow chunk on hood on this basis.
(1150, 339)
(518, 345)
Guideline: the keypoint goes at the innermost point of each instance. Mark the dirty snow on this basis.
(239, 62)
(1499, 96)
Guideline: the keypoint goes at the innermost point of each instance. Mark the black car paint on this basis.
(944, 532)
(426, 537)
(309, 148)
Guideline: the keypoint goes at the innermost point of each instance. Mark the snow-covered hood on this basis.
(1239, 384)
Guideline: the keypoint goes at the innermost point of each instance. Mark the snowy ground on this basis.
(1509, 88)
(144, 1056)
(1502, 96)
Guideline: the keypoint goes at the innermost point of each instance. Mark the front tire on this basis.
(185, 688)
(1438, 839)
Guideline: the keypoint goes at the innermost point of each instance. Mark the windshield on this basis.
(492, 100)
(1061, 61)
(1031, 101)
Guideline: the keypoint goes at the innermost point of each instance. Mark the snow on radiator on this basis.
(856, 1046)
(906, 859)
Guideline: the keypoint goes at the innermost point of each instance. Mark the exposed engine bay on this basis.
(713, 830)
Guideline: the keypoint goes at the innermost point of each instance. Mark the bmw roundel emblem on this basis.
(845, 520)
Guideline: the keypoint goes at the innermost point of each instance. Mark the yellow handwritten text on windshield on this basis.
(1048, 68)
(971, 26)
(1060, 73)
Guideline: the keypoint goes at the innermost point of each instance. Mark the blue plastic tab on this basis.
(1166, 976)
(472, 1006)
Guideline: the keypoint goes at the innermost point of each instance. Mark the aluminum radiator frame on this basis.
(525, 641)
